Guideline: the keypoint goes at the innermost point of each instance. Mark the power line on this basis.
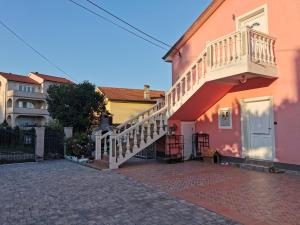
(122, 20)
(35, 50)
(117, 25)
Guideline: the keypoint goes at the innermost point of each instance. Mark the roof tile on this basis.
(126, 94)
(18, 78)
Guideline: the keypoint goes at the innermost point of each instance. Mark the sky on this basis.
(89, 48)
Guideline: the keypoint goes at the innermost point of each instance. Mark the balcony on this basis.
(225, 62)
(26, 95)
(28, 111)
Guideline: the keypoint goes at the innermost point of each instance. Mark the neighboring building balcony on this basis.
(27, 95)
(225, 62)
(27, 111)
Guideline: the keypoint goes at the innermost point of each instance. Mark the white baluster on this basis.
(221, 53)
(272, 51)
(238, 46)
(155, 126)
(148, 131)
(105, 146)
(161, 129)
(182, 88)
(192, 78)
(197, 72)
(213, 55)
(143, 135)
(135, 146)
(219, 59)
(268, 50)
(228, 55)
(127, 144)
(202, 67)
(234, 47)
(120, 143)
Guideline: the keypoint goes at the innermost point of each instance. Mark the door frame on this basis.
(262, 9)
(187, 122)
(245, 128)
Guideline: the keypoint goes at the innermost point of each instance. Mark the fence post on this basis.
(98, 136)
(39, 143)
(68, 131)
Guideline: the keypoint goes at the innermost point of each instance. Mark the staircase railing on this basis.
(134, 139)
(102, 139)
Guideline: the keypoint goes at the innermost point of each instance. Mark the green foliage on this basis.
(4, 124)
(54, 125)
(75, 105)
(80, 145)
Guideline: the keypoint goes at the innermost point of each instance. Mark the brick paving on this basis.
(64, 193)
(246, 196)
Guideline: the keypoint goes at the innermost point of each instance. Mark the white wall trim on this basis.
(219, 122)
(254, 12)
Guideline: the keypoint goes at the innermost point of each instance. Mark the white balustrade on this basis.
(139, 132)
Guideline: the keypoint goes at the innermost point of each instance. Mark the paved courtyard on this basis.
(249, 197)
(64, 193)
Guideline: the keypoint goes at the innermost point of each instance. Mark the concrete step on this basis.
(259, 162)
(255, 167)
(99, 164)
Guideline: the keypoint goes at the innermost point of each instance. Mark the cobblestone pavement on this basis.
(246, 196)
(64, 193)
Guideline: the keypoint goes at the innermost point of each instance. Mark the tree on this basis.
(75, 105)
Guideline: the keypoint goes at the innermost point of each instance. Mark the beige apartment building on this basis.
(23, 98)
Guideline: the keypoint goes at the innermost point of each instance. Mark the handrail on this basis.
(138, 115)
(186, 72)
(131, 119)
(142, 121)
(261, 33)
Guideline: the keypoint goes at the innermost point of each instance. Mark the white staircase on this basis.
(239, 55)
(132, 136)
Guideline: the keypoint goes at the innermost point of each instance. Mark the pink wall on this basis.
(284, 23)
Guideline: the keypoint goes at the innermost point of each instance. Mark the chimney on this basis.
(146, 92)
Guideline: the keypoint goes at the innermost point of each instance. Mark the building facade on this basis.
(23, 98)
(124, 103)
(236, 77)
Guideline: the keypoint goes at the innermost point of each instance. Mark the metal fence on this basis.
(17, 145)
(54, 144)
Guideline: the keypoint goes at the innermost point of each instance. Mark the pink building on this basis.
(236, 76)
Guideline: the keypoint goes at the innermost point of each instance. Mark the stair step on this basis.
(259, 168)
(259, 162)
(99, 164)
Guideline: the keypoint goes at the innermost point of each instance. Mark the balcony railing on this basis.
(23, 94)
(245, 51)
(28, 111)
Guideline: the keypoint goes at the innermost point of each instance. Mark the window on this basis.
(27, 88)
(225, 118)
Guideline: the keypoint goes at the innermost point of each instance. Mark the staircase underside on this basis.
(212, 91)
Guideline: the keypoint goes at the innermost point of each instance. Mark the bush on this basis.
(4, 124)
(80, 145)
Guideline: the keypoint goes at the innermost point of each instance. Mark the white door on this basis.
(256, 19)
(259, 128)
(187, 130)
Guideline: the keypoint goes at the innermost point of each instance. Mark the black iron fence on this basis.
(54, 144)
(17, 145)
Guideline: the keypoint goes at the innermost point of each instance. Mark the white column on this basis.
(98, 137)
(39, 143)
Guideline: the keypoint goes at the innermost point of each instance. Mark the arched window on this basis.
(9, 103)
